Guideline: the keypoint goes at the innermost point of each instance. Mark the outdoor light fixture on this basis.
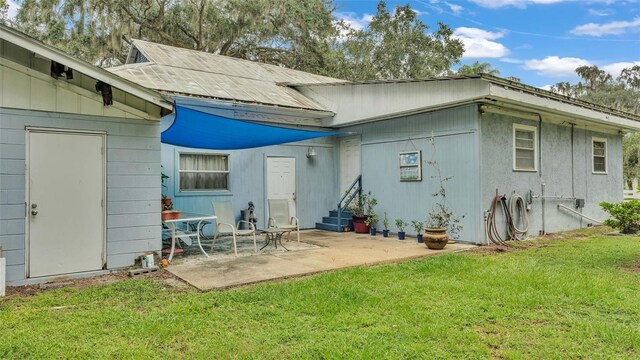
(311, 152)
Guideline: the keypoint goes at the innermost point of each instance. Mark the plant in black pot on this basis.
(418, 226)
(361, 207)
(401, 224)
(385, 223)
(371, 222)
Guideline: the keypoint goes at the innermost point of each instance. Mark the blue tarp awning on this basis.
(197, 129)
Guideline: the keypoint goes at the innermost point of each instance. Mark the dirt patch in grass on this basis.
(633, 266)
(162, 276)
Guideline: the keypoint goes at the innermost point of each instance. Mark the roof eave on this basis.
(49, 52)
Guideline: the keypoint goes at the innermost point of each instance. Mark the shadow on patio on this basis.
(318, 251)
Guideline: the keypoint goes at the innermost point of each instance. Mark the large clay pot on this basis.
(358, 224)
(436, 239)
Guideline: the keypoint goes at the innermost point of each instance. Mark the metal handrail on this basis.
(349, 195)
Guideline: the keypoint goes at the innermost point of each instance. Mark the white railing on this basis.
(631, 194)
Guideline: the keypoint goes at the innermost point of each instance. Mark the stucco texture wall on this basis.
(559, 173)
(456, 141)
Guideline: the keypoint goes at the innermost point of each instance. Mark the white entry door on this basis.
(281, 180)
(349, 161)
(65, 213)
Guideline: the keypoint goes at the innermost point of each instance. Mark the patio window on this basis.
(204, 172)
(525, 148)
(599, 152)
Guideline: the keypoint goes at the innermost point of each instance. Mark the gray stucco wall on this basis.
(316, 180)
(497, 171)
(133, 184)
(456, 144)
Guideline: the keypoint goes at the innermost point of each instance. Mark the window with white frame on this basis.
(208, 172)
(599, 152)
(525, 148)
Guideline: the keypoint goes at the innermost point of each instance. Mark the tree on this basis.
(599, 87)
(631, 158)
(290, 33)
(303, 35)
(397, 46)
(478, 68)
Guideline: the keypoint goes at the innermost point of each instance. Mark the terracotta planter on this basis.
(358, 224)
(435, 239)
(170, 214)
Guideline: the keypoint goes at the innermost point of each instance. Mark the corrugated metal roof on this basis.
(184, 71)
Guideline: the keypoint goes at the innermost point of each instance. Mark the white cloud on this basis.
(511, 60)
(555, 66)
(545, 87)
(610, 28)
(13, 9)
(615, 68)
(355, 21)
(494, 4)
(456, 9)
(479, 43)
(603, 12)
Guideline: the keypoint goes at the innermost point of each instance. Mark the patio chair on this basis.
(225, 225)
(279, 217)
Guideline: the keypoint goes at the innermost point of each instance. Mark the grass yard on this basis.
(571, 298)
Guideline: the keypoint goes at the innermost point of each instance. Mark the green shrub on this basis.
(625, 216)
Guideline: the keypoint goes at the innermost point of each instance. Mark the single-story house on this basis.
(79, 180)
(492, 136)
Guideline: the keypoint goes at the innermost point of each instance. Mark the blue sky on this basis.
(538, 41)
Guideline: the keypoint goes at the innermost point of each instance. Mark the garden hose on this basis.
(491, 227)
(516, 203)
(513, 231)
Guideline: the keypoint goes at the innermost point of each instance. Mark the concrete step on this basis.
(346, 221)
(345, 214)
(332, 227)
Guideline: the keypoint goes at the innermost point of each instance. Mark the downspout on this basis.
(540, 169)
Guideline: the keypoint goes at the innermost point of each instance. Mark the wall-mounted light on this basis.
(311, 152)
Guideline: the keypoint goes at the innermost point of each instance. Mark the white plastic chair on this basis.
(279, 217)
(225, 225)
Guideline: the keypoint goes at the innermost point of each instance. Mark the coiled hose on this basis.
(513, 232)
(516, 203)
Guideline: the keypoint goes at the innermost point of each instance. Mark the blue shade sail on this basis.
(196, 129)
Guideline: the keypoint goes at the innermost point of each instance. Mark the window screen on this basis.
(204, 172)
(524, 139)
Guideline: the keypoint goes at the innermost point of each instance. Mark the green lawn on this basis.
(574, 298)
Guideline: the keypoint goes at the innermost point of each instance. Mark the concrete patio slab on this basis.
(320, 251)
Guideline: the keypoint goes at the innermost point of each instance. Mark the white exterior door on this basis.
(349, 161)
(65, 213)
(281, 180)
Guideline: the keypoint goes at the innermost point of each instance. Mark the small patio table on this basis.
(275, 235)
(199, 219)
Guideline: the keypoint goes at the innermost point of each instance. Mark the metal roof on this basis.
(506, 83)
(189, 72)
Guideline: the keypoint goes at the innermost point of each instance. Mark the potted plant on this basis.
(166, 201)
(418, 226)
(385, 223)
(361, 207)
(441, 222)
(371, 222)
(401, 224)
